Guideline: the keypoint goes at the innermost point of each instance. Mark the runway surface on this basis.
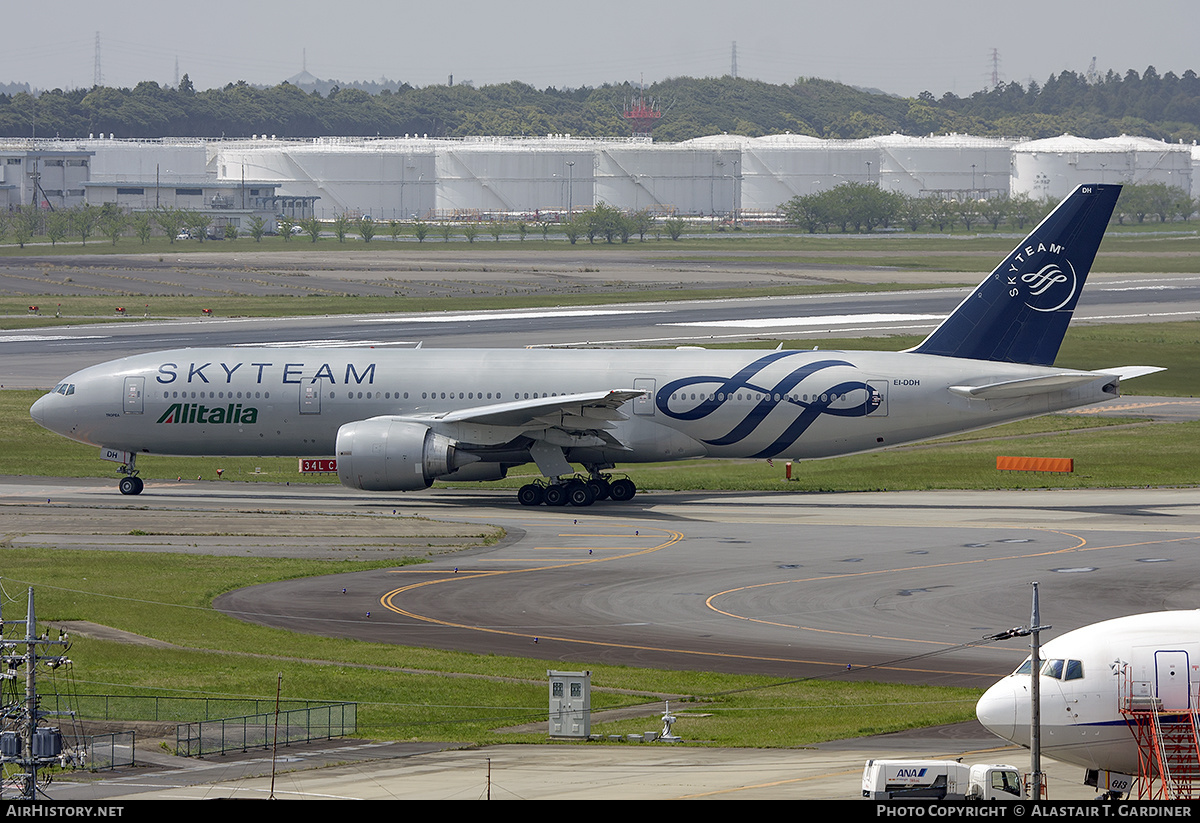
(38, 358)
(887, 586)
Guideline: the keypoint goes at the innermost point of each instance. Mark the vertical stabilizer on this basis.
(1020, 313)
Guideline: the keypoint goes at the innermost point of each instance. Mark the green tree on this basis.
(58, 224)
(470, 231)
(171, 221)
(143, 226)
(258, 227)
(198, 222)
(113, 225)
(85, 219)
(366, 229)
(341, 227)
(674, 227)
(420, 231)
(312, 227)
(286, 224)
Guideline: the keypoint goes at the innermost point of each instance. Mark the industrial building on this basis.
(418, 177)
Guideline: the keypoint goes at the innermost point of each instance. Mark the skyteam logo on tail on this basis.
(1042, 277)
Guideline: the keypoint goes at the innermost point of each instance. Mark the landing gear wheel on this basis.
(580, 494)
(531, 494)
(622, 490)
(131, 485)
(555, 496)
(599, 487)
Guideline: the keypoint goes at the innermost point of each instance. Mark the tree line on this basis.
(864, 207)
(1148, 104)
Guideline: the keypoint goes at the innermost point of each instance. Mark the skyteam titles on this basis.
(265, 372)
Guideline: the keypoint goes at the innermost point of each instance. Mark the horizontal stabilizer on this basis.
(1130, 372)
(1027, 386)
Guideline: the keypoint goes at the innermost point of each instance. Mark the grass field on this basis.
(404, 692)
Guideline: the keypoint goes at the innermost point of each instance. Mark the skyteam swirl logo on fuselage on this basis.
(722, 391)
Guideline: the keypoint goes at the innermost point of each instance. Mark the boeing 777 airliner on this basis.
(398, 420)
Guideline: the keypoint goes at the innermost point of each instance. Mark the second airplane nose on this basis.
(997, 710)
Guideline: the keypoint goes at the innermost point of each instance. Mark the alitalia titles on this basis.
(214, 415)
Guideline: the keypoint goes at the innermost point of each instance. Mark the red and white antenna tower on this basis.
(642, 114)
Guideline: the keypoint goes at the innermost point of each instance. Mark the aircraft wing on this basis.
(588, 410)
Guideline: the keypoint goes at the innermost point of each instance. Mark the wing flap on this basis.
(593, 410)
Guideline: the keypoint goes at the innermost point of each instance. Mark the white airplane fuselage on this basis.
(697, 403)
(397, 420)
(1086, 677)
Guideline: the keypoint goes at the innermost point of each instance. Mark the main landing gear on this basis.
(130, 483)
(576, 491)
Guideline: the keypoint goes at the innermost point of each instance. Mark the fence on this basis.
(258, 731)
(108, 751)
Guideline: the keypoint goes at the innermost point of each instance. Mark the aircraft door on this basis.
(134, 387)
(645, 403)
(310, 396)
(1172, 680)
(877, 397)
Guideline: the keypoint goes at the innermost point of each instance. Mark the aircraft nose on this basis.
(997, 710)
(38, 410)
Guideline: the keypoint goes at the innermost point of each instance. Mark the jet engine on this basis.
(383, 454)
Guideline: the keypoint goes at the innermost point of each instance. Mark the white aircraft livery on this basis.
(399, 419)
(1101, 683)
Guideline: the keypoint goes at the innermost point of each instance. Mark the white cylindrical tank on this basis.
(669, 178)
(499, 178)
(1157, 162)
(1053, 167)
(387, 179)
(172, 160)
(947, 164)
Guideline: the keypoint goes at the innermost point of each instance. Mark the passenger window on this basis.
(1074, 670)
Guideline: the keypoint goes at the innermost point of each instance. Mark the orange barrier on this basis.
(1035, 464)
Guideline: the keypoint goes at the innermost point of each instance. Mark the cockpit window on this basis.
(1053, 668)
(64, 388)
(1074, 670)
(1025, 667)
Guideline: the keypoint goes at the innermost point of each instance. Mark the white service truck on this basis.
(940, 780)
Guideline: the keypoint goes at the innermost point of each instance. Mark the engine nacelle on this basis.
(383, 455)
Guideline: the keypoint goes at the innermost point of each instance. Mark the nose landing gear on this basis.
(130, 483)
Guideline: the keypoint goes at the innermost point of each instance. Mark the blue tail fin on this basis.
(1020, 313)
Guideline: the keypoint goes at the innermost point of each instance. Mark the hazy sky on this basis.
(901, 46)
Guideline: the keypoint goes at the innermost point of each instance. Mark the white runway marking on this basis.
(536, 315)
(820, 320)
(46, 338)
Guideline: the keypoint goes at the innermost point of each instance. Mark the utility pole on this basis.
(22, 741)
(1035, 692)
